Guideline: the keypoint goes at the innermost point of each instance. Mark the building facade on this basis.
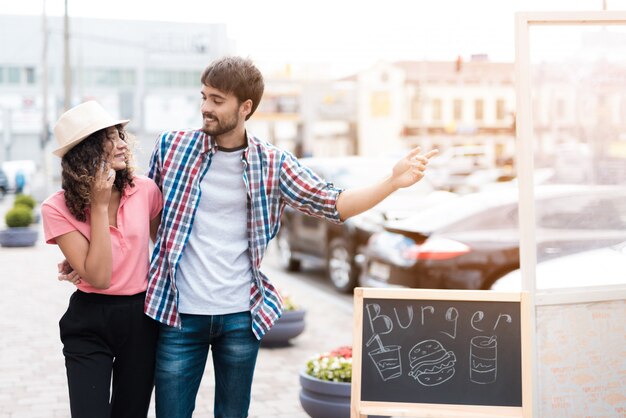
(145, 71)
(437, 104)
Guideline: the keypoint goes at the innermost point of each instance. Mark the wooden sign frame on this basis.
(361, 409)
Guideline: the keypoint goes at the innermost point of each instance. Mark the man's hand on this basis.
(410, 169)
(67, 273)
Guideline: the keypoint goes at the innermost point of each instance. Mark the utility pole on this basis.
(44, 80)
(45, 156)
(67, 70)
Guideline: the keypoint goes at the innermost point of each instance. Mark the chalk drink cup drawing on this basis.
(386, 358)
(387, 361)
(483, 359)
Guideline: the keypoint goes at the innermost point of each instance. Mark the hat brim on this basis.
(61, 151)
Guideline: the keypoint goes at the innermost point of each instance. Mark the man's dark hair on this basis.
(238, 76)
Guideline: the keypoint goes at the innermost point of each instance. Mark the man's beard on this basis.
(220, 127)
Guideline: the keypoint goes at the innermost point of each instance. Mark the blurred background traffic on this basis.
(349, 118)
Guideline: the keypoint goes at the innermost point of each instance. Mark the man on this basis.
(224, 191)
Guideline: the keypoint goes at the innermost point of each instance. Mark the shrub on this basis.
(24, 199)
(22, 205)
(19, 216)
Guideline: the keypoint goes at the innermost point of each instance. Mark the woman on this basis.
(102, 221)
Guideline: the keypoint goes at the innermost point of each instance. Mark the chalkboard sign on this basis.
(439, 348)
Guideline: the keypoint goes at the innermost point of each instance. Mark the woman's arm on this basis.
(92, 259)
(154, 227)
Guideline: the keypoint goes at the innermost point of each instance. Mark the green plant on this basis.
(26, 200)
(288, 303)
(334, 366)
(19, 216)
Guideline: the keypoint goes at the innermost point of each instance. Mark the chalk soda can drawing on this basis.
(483, 359)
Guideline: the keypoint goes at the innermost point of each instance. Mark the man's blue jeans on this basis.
(182, 355)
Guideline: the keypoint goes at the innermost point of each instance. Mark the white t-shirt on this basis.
(215, 272)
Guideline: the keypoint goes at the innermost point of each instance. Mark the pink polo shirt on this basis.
(129, 241)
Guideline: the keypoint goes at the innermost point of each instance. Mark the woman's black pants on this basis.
(109, 347)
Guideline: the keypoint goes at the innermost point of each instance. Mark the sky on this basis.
(344, 35)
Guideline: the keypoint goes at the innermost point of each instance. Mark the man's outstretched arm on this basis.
(408, 171)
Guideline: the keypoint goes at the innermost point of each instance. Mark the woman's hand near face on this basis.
(102, 185)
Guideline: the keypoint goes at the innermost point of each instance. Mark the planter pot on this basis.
(288, 326)
(324, 399)
(18, 237)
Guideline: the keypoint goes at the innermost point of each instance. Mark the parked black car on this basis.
(302, 237)
(471, 242)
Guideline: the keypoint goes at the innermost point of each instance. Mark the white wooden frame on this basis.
(525, 168)
(361, 409)
(525, 163)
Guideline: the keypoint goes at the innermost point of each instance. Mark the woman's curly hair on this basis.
(79, 166)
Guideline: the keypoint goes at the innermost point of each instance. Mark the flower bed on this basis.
(334, 366)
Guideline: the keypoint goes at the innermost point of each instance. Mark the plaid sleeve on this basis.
(305, 191)
(156, 199)
(154, 169)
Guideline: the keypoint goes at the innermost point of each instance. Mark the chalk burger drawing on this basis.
(431, 364)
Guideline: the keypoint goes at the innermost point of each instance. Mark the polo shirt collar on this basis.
(129, 190)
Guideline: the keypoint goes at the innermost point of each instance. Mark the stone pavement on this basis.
(32, 373)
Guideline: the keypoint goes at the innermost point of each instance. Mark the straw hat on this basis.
(79, 122)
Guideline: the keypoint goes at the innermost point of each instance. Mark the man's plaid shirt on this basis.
(273, 178)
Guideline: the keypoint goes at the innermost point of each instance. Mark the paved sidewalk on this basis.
(32, 373)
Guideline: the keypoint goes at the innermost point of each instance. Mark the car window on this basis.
(501, 217)
(452, 214)
(583, 212)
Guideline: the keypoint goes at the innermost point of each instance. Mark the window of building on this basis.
(30, 75)
(127, 77)
(437, 110)
(172, 78)
(113, 77)
(192, 79)
(380, 104)
(457, 110)
(287, 104)
(479, 109)
(127, 105)
(14, 75)
(500, 109)
(416, 109)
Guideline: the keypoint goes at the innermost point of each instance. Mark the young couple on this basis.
(211, 203)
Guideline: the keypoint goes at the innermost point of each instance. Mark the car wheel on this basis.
(342, 269)
(287, 261)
